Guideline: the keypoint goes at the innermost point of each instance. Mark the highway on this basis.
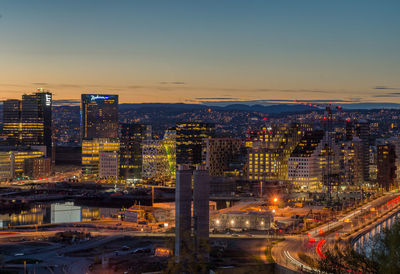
(311, 243)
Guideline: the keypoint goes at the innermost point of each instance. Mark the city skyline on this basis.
(202, 52)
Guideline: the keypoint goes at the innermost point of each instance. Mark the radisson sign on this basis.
(98, 97)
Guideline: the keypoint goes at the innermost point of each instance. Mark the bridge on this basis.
(362, 241)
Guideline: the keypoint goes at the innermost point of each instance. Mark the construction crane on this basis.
(330, 179)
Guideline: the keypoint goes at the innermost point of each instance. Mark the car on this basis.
(125, 247)
(19, 254)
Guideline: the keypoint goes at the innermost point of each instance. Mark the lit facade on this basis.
(304, 162)
(12, 125)
(352, 162)
(18, 159)
(131, 138)
(156, 164)
(99, 116)
(386, 162)
(191, 142)
(5, 166)
(91, 152)
(363, 131)
(36, 168)
(222, 153)
(108, 164)
(29, 122)
(170, 150)
(269, 150)
(12, 162)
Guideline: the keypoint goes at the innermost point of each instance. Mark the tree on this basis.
(387, 250)
(189, 260)
(383, 258)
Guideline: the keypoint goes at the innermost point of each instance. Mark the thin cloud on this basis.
(385, 87)
(280, 101)
(66, 102)
(392, 94)
(173, 83)
(216, 98)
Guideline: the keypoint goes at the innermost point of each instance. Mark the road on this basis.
(286, 253)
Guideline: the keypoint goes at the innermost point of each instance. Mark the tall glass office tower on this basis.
(99, 116)
(28, 122)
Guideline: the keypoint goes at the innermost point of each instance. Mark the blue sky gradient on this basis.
(178, 51)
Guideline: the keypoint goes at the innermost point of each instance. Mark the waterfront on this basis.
(55, 213)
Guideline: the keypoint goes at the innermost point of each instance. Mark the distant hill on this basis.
(273, 109)
(371, 106)
(267, 109)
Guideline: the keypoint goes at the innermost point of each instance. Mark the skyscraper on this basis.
(222, 153)
(29, 122)
(304, 170)
(352, 163)
(132, 137)
(362, 131)
(191, 142)
(12, 121)
(99, 116)
(386, 162)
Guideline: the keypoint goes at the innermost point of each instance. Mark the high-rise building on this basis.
(349, 129)
(269, 150)
(100, 158)
(191, 142)
(13, 160)
(386, 162)
(99, 116)
(304, 170)
(396, 142)
(36, 168)
(108, 165)
(183, 201)
(12, 121)
(170, 149)
(131, 138)
(362, 131)
(155, 161)
(5, 166)
(29, 122)
(201, 210)
(352, 163)
(222, 154)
